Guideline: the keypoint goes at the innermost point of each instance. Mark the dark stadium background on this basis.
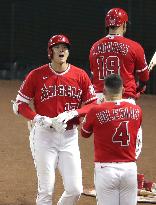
(26, 26)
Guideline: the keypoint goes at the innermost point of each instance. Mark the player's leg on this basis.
(106, 180)
(70, 168)
(128, 185)
(45, 160)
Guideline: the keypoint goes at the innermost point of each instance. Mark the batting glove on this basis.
(42, 121)
(66, 116)
(15, 106)
(58, 126)
(48, 122)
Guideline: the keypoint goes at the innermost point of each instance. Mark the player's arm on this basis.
(139, 143)
(88, 96)
(81, 112)
(88, 99)
(21, 106)
(85, 108)
(141, 69)
(24, 97)
(87, 125)
(143, 79)
(139, 137)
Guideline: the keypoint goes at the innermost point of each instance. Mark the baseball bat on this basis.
(152, 62)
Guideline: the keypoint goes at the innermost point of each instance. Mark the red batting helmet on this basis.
(115, 17)
(55, 40)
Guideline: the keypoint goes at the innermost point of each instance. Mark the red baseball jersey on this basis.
(54, 93)
(115, 126)
(119, 55)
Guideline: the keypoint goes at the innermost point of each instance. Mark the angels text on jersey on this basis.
(60, 90)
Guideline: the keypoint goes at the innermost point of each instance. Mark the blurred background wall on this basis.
(26, 26)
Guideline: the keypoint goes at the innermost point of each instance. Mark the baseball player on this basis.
(54, 88)
(116, 54)
(116, 125)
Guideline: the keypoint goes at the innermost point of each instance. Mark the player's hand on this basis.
(48, 122)
(43, 121)
(141, 87)
(15, 107)
(100, 98)
(66, 116)
(58, 126)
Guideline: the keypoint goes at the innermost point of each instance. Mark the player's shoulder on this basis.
(122, 103)
(99, 41)
(129, 104)
(94, 110)
(101, 107)
(77, 70)
(38, 71)
(40, 68)
(132, 43)
(104, 107)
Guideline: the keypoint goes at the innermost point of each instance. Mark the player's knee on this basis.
(44, 196)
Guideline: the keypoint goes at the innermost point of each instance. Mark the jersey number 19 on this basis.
(107, 66)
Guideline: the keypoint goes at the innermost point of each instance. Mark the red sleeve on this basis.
(141, 64)
(87, 125)
(27, 89)
(88, 92)
(85, 109)
(27, 92)
(144, 76)
(26, 111)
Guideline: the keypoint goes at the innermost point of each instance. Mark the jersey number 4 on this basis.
(121, 134)
(107, 66)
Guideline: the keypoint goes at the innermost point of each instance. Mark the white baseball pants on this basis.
(116, 183)
(51, 150)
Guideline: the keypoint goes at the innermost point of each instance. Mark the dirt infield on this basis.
(17, 174)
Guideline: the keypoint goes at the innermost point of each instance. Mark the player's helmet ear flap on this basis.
(116, 17)
(55, 40)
